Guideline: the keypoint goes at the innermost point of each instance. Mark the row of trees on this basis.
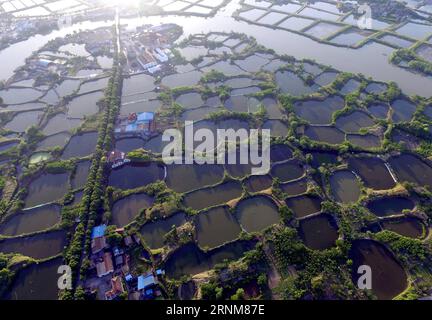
(92, 202)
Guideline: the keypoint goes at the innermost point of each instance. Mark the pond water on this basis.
(36, 282)
(136, 175)
(138, 84)
(245, 91)
(322, 30)
(140, 106)
(326, 78)
(154, 232)
(366, 141)
(289, 7)
(93, 85)
(216, 227)
(376, 88)
(209, 197)
(19, 95)
(226, 68)
(390, 206)
(193, 52)
(304, 205)
(319, 111)
(273, 109)
(127, 209)
(129, 144)
(277, 128)
(240, 82)
(81, 174)
(257, 213)
(183, 178)
(349, 38)
(51, 98)
(84, 105)
(287, 171)
(75, 49)
(319, 232)
(397, 41)
(29, 221)
(80, 146)
(190, 100)
(379, 110)
(183, 79)
(408, 227)
(272, 18)
(67, 87)
(56, 140)
(252, 14)
(295, 23)
(388, 276)
(135, 98)
(252, 64)
(197, 114)
(405, 139)
(155, 145)
(291, 83)
(258, 183)
(345, 186)
(428, 111)
(47, 188)
(242, 104)
(350, 86)
(354, 121)
(280, 152)
(403, 110)
(191, 260)
(40, 246)
(412, 169)
(25, 107)
(373, 172)
(330, 135)
(294, 188)
(320, 158)
(24, 120)
(60, 123)
(415, 30)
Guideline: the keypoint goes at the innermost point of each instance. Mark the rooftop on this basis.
(98, 231)
(146, 281)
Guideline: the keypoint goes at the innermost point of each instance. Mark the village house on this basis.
(117, 158)
(98, 240)
(136, 124)
(105, 266)
(117, 289)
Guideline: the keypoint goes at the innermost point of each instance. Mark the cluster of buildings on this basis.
(141, 124)
(117, 159)
(148, 48)
(14, 31)
(115, 262)
(48, 63)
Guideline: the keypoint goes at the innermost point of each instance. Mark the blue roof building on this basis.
(146, 281)
(145, 116)
(98, 231)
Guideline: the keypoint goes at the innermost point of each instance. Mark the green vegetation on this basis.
(414, 62)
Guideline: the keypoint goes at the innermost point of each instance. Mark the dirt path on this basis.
(273, 276)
